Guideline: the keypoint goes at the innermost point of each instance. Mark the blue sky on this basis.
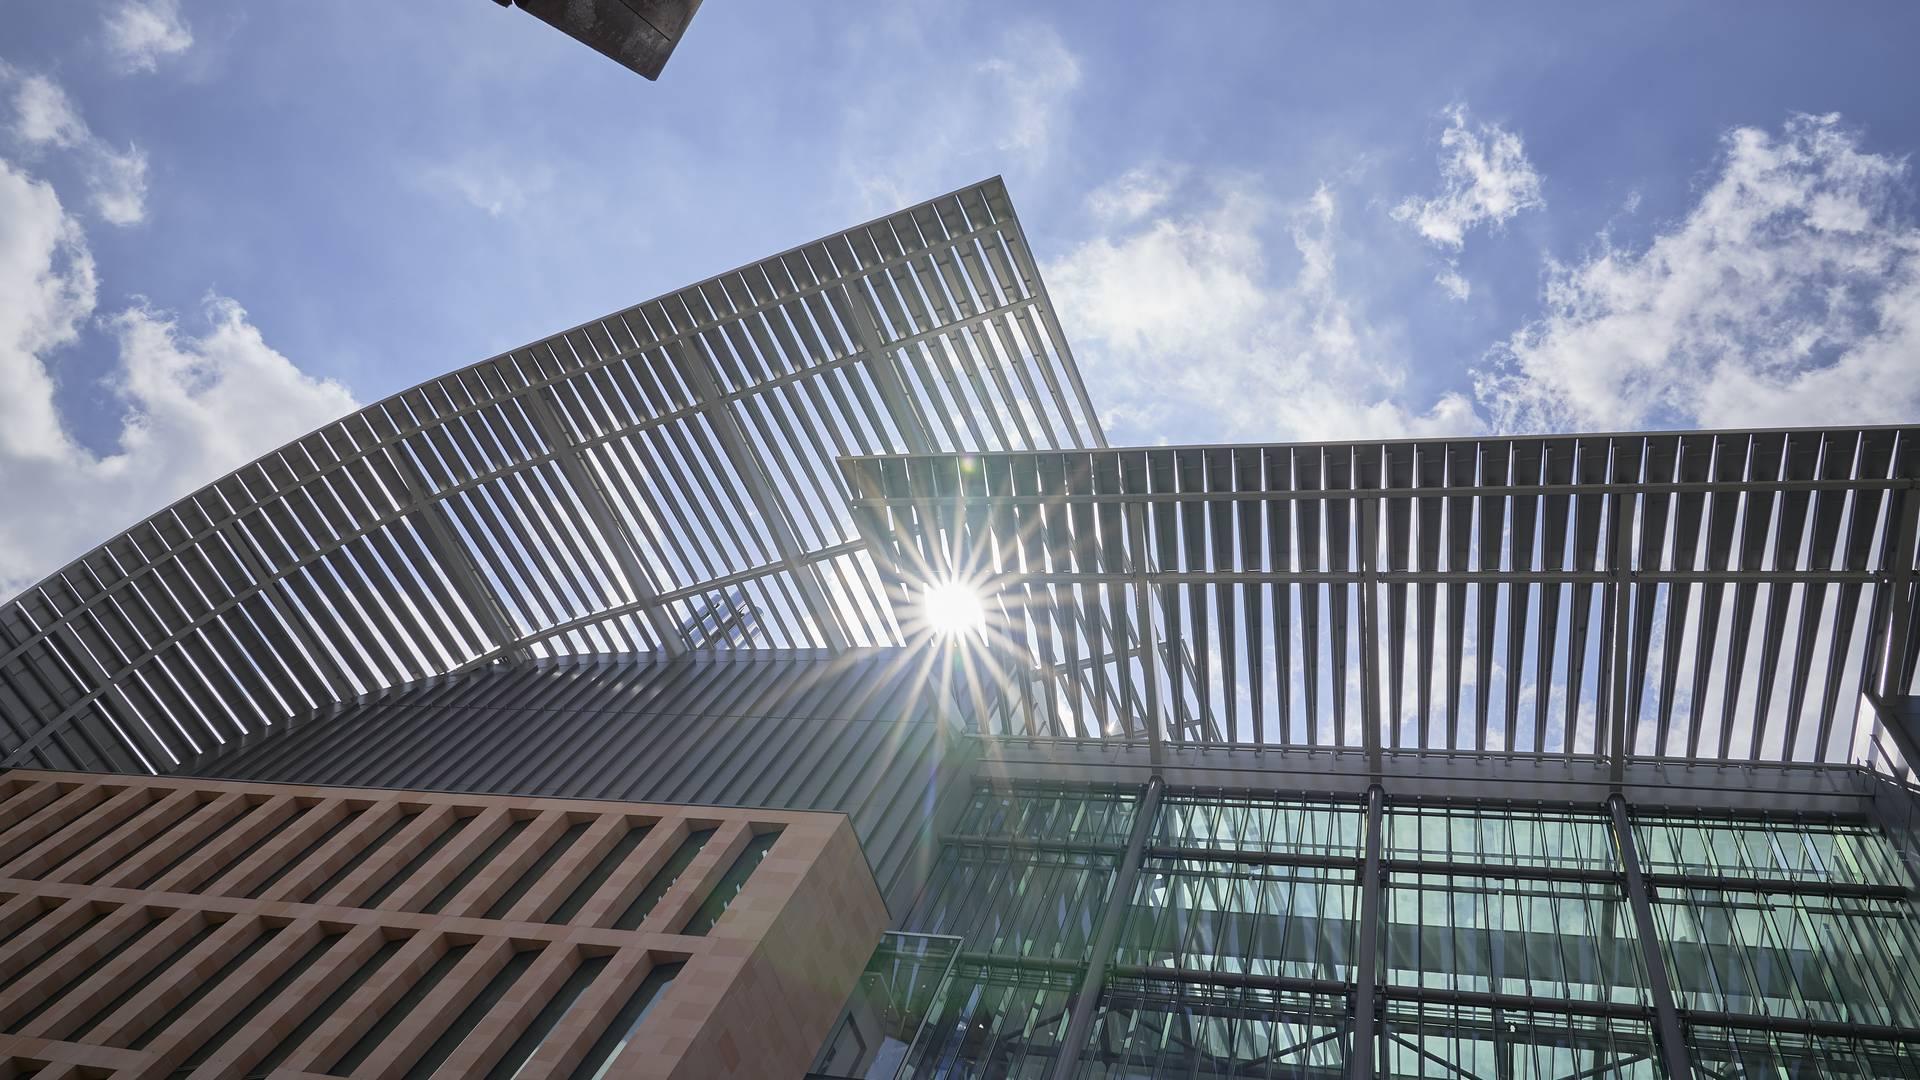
(223, 224)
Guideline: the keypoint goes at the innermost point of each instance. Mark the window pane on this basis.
(731, 882)
(1770, 850)
(1778, 954)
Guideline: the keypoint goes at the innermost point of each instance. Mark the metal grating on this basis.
(620, 487)
(1719, 595)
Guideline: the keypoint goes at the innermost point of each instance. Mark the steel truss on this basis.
(599, 491)
(1368, 999)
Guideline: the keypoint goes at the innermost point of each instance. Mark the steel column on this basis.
(1667, 1031)
(1366, 1019)
(1086, 1001)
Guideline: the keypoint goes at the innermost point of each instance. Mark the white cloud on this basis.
(44, 118)
(1182, 322)
(494, 189)
(1030, 78)
(922, 136)
(120, 186)
(1453, 283)
(1486, 178)
(140, 32)
(1486, 181)
(195, 406)
(1134, 194)
(47, 276)
(204, 404)
(1788, 295)
(42, 113)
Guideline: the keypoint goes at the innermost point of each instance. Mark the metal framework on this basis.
(1722, 596)
(619, 487)
(1371, 1005)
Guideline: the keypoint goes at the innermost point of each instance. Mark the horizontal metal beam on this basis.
(1347, 494)
(1503, 872)
(1029, 843)
(1691, 787)
(1450, 577)
(1432, 995)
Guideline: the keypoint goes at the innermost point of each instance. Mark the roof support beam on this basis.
(1369, 513)
(1899, 713)
(1366, 964)
(773, 512)
(1155, 717)
(1667, 1032)
(1086, 1001)
(455, 560)
(1619, 656)
(907, 419)
(1899, 586)
(619, 537)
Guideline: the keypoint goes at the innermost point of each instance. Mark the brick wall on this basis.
(161, 927)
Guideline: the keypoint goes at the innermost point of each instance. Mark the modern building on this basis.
(783, 677)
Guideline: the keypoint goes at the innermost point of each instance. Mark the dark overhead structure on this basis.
(640, 34)
(1496, 757)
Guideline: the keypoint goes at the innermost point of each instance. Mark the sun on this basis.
(953, 609)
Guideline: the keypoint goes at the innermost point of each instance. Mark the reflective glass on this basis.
(1243, 918)
(1083, 816)
(1498, 836)
(888, 1010)
(994, 1021)
(1279, 826)
(1520, 907)
(1779, 954)
(1453, 1041)
(1544, 939)
(1732, 1052)
(1016, 901)
(1773, 850)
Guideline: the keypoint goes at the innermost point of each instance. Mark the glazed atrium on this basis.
(783, 677)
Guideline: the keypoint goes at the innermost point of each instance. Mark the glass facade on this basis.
(1508, 944)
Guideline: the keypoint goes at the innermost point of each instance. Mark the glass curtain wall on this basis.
(1506, 946)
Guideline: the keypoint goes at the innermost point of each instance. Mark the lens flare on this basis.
(953, 609)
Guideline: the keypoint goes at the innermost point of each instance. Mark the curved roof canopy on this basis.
(660, 480)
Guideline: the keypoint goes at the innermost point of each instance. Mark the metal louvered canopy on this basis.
(1718, 595)
(660, 480)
